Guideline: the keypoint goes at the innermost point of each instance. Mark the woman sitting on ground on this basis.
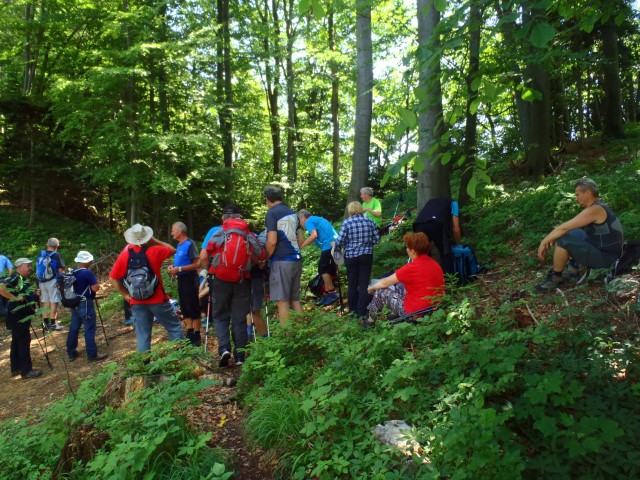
(414, 286)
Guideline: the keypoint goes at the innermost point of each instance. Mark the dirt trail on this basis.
(219, 412)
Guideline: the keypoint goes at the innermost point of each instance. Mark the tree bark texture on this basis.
(612, 92)
(433, 181)
(335, 109)
(364, 99)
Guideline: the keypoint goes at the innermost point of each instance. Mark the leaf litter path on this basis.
(219, 412)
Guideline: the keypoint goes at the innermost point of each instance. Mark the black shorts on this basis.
(188, 295)
(326, 263)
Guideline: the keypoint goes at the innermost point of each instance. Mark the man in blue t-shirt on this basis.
(322, 233)
(186, 263)
(284, 238)
(85, 286)
(5, 264)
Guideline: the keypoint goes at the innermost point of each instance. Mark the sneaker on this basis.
(15, 373)
(239, 359)
(551, 283)
(72, 358)
(32, 374)
(55, 326)
(98, 358)
(320, 301)
(224, 359)
(330, 299)
(129, 321)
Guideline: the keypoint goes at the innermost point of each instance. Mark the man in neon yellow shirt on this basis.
(371, 206)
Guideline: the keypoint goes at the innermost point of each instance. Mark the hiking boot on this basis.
(190, 335)
(197, 339)
(224, 359)
(98, 358)
(551, 283)
(72, 358)
(129, 321)
(32, 374)
(330, 299)
(239, 359)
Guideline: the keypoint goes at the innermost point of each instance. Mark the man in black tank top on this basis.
(593, 238)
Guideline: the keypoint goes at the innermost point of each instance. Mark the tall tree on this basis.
(433, 181)
(364, 100)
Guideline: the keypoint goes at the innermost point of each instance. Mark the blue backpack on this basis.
(47, 266)
(465, 263)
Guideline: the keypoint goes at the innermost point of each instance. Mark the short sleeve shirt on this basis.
(423, 279)
(5, 264)
(85, 279)
(326, 232)
(156, 255)
(374, 204)
(186, 253)
(284, 221)
(210, 234)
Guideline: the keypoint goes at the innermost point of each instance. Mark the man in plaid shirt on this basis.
(357, 237)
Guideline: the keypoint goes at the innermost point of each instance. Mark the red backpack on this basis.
(234, 250)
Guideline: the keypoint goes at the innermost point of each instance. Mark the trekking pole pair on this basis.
(44, 349)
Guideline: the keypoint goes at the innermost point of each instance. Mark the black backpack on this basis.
(66, 283)
(629, 259)
(141, 281)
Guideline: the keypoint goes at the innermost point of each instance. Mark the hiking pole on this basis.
(44, 351)
(206, 331)
(106, 342)
(266, 309)
(339, 289)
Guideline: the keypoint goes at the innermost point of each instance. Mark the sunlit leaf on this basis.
(420, 94)
(318, 10)
(529, 94)
(303, 6)
(542, 34)
(409, 117)
(441, 5)
(475, 83)
(473, 108)
(471, 187)
(446, 158)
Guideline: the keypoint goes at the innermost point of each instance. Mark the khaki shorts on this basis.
(49, 292)
(284, 281)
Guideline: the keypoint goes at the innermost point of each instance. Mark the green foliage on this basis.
(485, 400)
(146, 437)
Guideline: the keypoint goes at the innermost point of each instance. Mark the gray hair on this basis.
(53, 242)
(304, 213)
(273, 194)
(587, 184)
(367, 191)
(181, 226)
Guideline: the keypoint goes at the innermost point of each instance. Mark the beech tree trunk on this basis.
(364, 100)
(335, 108)
(612, 92)
(433, 181)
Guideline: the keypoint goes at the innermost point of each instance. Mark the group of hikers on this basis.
(227, 279)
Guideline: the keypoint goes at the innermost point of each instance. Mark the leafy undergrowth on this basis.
(486, 398)
(503, 383)
(145, 435)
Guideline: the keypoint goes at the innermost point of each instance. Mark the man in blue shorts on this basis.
(186, 263)
(284, 238)
(322, 233)
(593, 238)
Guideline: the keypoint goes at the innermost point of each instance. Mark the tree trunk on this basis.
(292, 160)
(224, 93)
(364, 100)
(540, 111)
(612, 93)
(470, 134)
(335, 109)
(433, 181)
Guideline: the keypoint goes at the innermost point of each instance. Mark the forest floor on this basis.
(219, 411)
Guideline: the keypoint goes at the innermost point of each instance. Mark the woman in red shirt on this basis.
(413, 286)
